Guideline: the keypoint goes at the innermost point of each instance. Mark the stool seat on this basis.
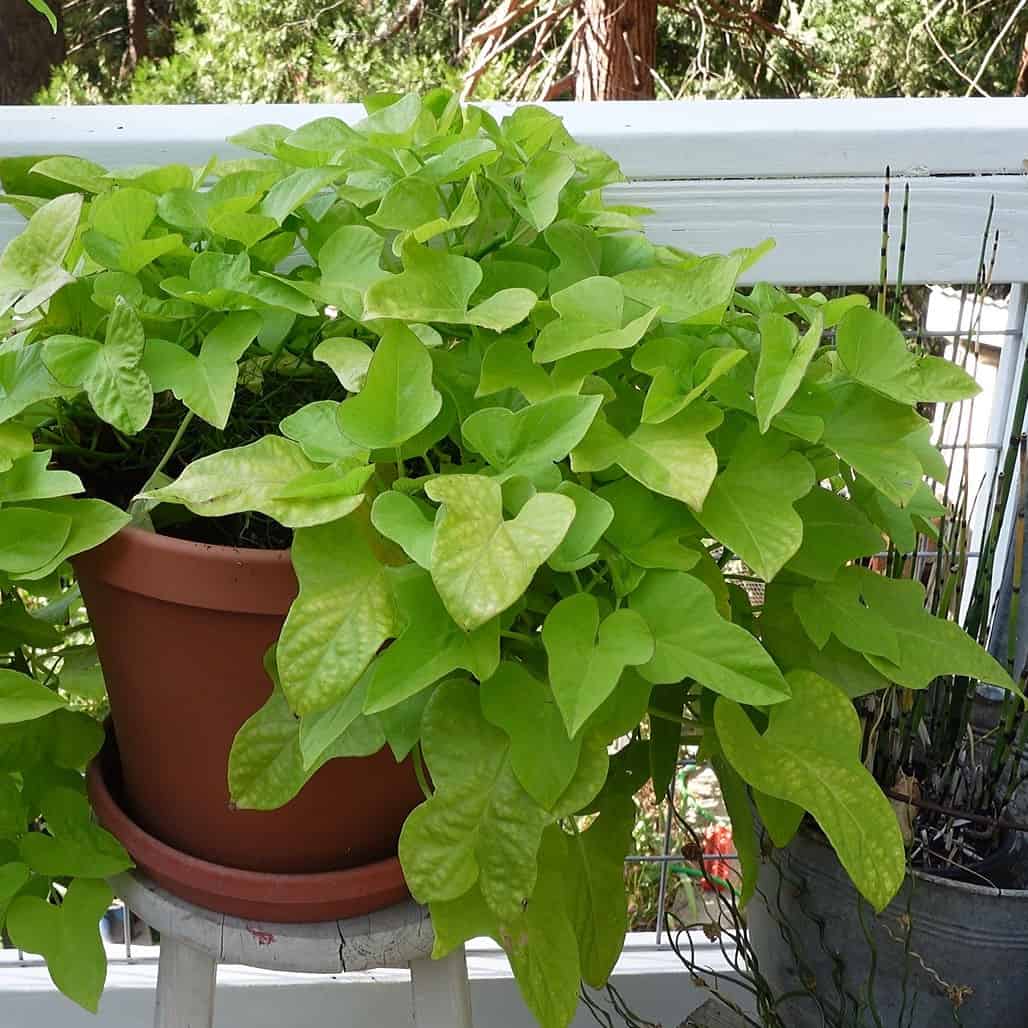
(195, 940)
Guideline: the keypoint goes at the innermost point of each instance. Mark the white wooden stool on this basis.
(194, 941)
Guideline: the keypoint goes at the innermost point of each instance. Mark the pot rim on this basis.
(238, 580)
(259, 895)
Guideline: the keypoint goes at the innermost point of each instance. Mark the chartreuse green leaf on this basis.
(784, 358)
(24, 699)
(874, 352)
(341, 617)
(15, 442)
(14, 876)
(273, 476)
(539, 941)
(31, 267)
(110, 372)
(545, 175)
(678, 379)
(591, 315)
(482, 563)
(341, 730)
(265, 765)
(480, 826)
(877, 437)
(350, 261)
(407, 522)
(648, 529)
(810, 756)
(206, 383)
(68, 936)
(348, 358)
(398, 399)
(901, 524)
(837, 608)
(117, 237)
(428, 645)
(315, 426)
(928, 646)
(541, 754)
(587, 657)
(835, 531)
(46, 11)
(73, 843)
(593, 516)
(749, 506)
(29, 539)
(508, 364)
(271, 761)
(694, 292)
(436, 287)
(31, 478)
(527, 441)
(464, 213)
(674, 458)
(594, 884)
(89, 523)
(786, 640)
(84, 175)
(286, 195)
(691, 640)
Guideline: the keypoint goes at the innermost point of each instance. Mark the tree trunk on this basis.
(28, 50)
(616, 50)
(1021, 86)
(138, 46)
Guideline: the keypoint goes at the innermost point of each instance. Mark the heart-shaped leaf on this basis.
(749, 506)
(270, 476)
(587, 657)
(481, 563)
(206, 384)
(810, 756)
(875, 353)
(528, 440)
(542, 755)
(31, 267)
(343, 614)
(68, 936)
(692, 640)
(429, 645)
(674, 458)
(110, 372)
(591, 314)
(24, 699)
(784, 358)
(398, 399)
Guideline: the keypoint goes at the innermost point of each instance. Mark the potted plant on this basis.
(517, 453)
(950, 757)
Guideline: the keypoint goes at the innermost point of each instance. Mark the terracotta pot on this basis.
(181, 629)
(251, 895)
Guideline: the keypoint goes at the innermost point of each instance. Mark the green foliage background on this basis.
(209, 51)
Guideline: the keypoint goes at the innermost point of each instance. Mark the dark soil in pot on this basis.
(181, 629)
(943, 952)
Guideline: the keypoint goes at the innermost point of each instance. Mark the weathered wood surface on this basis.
(387, 938)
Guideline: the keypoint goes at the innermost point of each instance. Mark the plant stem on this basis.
(419, 771)
(173, 445)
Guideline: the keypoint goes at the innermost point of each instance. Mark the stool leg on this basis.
(185, 987)
(440, 991)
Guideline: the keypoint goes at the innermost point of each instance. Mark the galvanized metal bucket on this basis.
(943, 952)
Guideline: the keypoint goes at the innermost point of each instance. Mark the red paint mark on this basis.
(263, 938)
